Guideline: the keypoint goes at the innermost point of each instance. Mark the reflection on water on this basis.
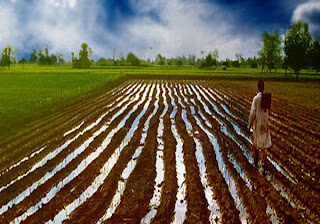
(155, 201)
(180, 206)
(80, 167)
(212, 204)
(54, 153)
(130, 166)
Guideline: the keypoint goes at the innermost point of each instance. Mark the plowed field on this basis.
(153, 151)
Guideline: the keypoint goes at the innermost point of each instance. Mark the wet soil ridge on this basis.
(159, 151)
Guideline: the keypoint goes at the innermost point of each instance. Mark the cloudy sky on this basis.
(170, 27)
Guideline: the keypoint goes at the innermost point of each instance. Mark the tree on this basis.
(133, 59)
(84, 57)
(208, 62)
(160, 60)
(239, 57)
(53, 59)
(121, 58)
(22, 62)
(262, 60)
(179, 63)
(192, 60)
(271, 50)
(33, 57)
(42, 57)
(297, 45)
(60, 58)
(215, 54)
(7, 56)
(315, 55)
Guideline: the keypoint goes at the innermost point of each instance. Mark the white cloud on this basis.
(62, 25)
(306, 12)
(185, 27)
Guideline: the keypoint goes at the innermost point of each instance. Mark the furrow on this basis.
(302, 201)
(288, 172)
(155, 201)
(47, 132)
(114, 147)
(165, 211)
(66, 161)
(193, 132)
(180, 208)
(55, 152)
(51, 150)
(95, 206)
(197, 205)
(255, 179)
(126, 178)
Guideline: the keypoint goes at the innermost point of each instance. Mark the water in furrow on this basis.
(80, 167)
(130, 166)
(180, 206)
(223, 127)
(54, 153)
(155, 201)
(105, 170)
(43, 161)
(283, 172)
(269, 211)
(224, 171)
(212, 204)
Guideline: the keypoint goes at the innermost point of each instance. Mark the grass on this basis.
(30, 91)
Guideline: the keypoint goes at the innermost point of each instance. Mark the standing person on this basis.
(258, 121)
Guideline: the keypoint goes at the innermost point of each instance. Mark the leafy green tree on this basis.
(7, 56)
(271, 50)
(53, 60)
(215, 54)
(208, 62)
(160, 60)
(72, 57)
(315, 55)
(239, 58)
(121, 58)
(133, 59)
(60, 58)
(22, 61)
(297, 46)
(236, 64)
(192, 60)
(42, 57)
(33, 57)
(84, 57)
(179, 63)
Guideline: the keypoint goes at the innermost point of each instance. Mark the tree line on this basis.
(298, 50)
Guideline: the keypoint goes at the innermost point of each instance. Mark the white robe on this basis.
(258, 120)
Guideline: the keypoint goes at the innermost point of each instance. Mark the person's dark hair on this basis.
(260, 85)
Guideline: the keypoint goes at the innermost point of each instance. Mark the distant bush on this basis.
(133, 59)
(226, 64)
(22, 61)
(236, 64)
(208, 62)
(254, 64)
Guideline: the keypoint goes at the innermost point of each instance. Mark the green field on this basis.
(29, 92)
